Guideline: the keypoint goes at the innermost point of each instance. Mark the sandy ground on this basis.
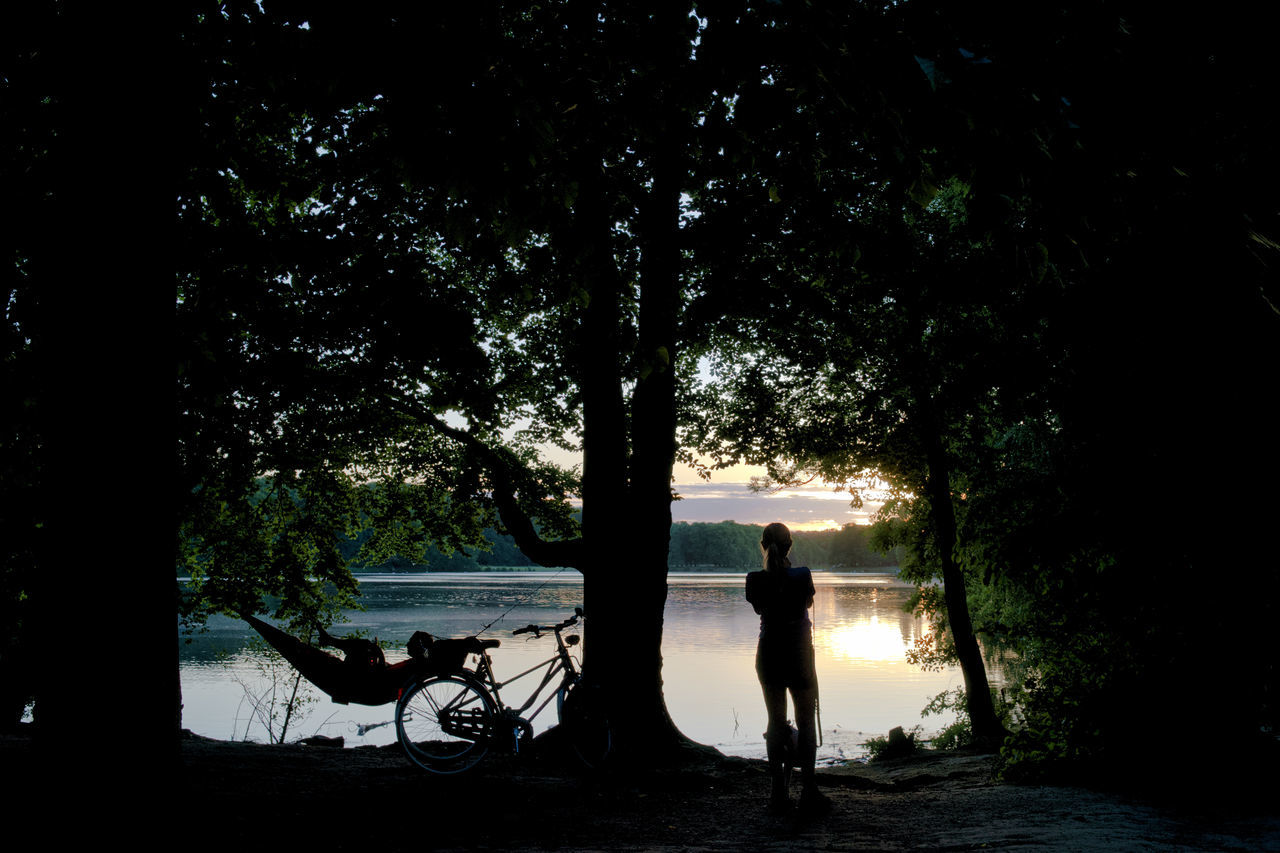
(931, 802)
(254, 797)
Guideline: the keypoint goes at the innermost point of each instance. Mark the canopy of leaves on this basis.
(1069, 279)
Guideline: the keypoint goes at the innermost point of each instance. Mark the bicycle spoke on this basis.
(444, 724)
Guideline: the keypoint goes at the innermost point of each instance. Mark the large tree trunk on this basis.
(627, 483)
(104, 604)
(625, 601)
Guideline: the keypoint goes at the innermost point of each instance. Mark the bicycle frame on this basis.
(560, 662)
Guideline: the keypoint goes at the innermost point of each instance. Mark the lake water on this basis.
(861, 637)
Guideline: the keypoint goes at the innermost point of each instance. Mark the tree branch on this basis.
(501, 465)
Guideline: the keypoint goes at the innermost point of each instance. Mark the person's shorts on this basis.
(786, 662)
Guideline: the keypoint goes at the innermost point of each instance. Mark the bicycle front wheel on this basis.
(445, 724)
(583, 716)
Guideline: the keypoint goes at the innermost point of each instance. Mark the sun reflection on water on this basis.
(870, 640)
(862, 633)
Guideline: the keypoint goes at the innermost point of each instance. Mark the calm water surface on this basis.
(861, 637)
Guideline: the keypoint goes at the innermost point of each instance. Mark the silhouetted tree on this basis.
(1101, 164)
(88, 161)
(418, 232)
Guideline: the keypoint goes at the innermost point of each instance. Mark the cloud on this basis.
(806, 508)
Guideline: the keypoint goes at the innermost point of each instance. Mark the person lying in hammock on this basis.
(357, 651)
(447, 655)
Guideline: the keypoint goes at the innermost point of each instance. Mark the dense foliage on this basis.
(1033, 354)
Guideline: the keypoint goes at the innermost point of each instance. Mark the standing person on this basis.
(782, 594)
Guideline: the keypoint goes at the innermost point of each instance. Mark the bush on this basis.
(896, 745)
(959, 733)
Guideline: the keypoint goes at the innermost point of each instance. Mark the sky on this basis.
(727, 498)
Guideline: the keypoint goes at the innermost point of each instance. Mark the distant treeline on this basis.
(694, 546)
(502, 553)
(729, 545)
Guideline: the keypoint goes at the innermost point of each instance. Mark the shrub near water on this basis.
(897, 744)
(960, 732)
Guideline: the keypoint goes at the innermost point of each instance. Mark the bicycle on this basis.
(448, 722)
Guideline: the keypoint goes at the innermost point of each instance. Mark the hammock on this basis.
(345, 682)
(357, 680)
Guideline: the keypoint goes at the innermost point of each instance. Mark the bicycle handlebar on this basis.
(537, 630)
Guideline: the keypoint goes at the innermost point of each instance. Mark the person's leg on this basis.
(775, 740)
(806, 704)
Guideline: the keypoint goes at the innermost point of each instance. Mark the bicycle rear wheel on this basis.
(583, 716)
(445, 723)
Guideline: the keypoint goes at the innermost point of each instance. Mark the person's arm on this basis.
(753, 591)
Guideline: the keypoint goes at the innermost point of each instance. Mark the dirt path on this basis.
(371, 799)
(248, 797)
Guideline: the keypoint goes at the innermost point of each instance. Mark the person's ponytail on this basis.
(775, 542)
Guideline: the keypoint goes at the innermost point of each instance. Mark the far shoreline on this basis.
(890, 571)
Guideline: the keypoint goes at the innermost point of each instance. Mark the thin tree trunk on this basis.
(987, 729)
(289, 707)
